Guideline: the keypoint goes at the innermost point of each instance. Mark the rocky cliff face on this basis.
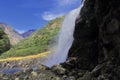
(14, 36)
(96, 47)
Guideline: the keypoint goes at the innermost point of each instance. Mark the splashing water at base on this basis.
(65, 39)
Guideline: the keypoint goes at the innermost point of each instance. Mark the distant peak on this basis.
(3, 23)
(28, 33)
(32, 30)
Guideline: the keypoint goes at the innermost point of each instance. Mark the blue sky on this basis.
(33, 14)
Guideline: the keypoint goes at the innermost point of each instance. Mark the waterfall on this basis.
(65, 39)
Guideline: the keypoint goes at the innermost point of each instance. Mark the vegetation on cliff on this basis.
(4, 42)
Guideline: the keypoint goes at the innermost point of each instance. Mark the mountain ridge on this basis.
(13, 35)
(37, 42)
(28, 33)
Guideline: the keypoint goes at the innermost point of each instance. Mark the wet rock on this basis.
(42, 67)
(70, 78)
(17, 79)
(1, 75)
(27, 69)
(58, 69)
(26, 77)
(0, 78)
(18, 73)
(34, 73)
(80, 74)
(56, 78)
(5, 78)
(64, 76)
(3, 64)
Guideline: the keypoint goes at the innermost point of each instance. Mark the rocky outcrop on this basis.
(96, 45)
(14, 36)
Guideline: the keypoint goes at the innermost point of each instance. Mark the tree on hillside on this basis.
(4, 42)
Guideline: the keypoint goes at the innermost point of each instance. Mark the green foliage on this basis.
(38, 42)
(4, 42)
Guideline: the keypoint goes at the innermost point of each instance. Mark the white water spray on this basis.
(65, 39)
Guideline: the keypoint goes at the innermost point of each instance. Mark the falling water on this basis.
(65, 39)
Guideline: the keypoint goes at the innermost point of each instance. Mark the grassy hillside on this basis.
(38, 42)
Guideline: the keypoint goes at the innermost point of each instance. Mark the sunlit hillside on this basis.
(44, 54)
(37, 42)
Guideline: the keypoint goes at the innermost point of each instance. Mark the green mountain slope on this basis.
(37, 42)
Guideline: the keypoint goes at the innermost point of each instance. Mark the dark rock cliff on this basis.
(96, 45)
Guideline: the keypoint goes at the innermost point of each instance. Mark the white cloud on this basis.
(20, 31)
(50, 16)
(60, 8)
